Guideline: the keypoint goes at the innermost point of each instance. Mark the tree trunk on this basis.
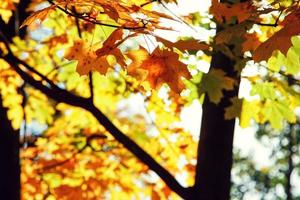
(9, 139)
(214, 161)
(9, 155)
(216, 142)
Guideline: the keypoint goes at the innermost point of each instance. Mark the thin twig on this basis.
(266, 24)
(282, 74)
(94, 21)
(91, 85)
(77, 23)
(48, 167)
(147, 3)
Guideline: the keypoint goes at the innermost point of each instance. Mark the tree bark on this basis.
(214, 158)
(216, 142)
(9, 155)
(9, 139)
(12, 28)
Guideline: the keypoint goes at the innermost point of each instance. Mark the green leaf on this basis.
(275, 63)
(214, 82)
(296, 41)
(276, 112)
(265, 90)
(250, 110)
(292, 62)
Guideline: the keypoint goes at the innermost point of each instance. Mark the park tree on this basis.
(72, 71)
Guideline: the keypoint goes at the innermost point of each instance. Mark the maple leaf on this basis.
(110, 46)
(251, 42)
(137, 57)
(274, 107)
(281, 40)
(38, 15)
(265, 90)
(184, 45)
(276, 112)
(87, 59)
(234, 110)
(242, 11)
(214, 82)
(162, 66)
(289, 63)
(250, 110)
(236, 31)
(276, 62)
(60, 39)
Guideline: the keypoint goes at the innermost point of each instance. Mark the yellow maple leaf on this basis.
(87, 59)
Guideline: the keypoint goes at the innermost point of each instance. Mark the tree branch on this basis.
(91, 85)
(93, 20)
(290, 78)
(64, 96)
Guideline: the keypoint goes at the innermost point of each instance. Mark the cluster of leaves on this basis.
(75, 157)
(83, 37)
(275, 96)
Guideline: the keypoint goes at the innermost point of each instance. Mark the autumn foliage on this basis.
(98, 91)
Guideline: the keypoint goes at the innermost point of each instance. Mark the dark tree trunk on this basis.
(213, 171)
(9, 155)
(9, 139)
(13, 27)
(216, 141)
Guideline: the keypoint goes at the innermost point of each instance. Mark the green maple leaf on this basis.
(276, 104)
(276, 112)
(292, 63)
(214, 82)
(265, 90)
(250, 110)
(276, 62)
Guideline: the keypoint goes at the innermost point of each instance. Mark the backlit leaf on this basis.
(214, 83)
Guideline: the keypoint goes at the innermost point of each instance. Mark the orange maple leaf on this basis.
(281, 41)
(184, 45)
(110, 46)
(159, 67)
(38, 15)
(251, 42)
(87, 59)
(242, 11)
